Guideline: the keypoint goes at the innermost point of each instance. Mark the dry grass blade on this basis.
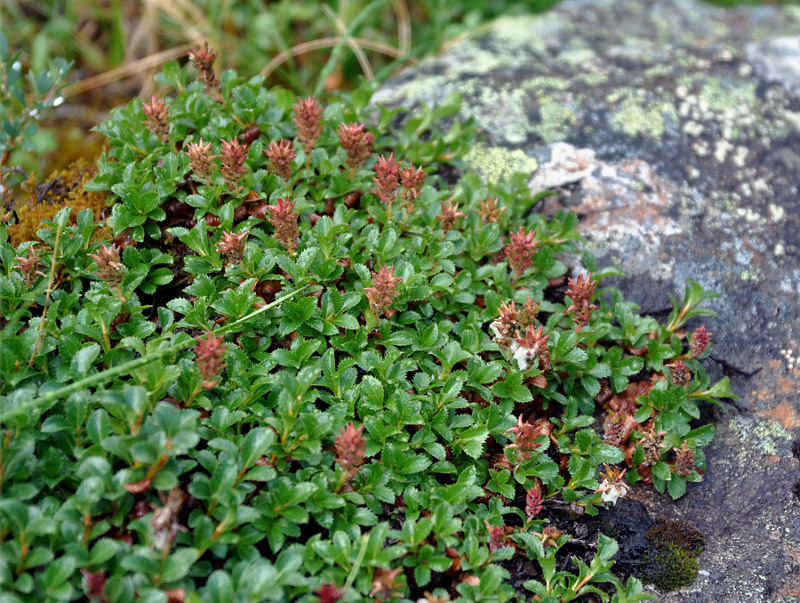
(351, 42)
(188, 15)
(403, 26)
(40, 335)
(113, 75)
(326, 43)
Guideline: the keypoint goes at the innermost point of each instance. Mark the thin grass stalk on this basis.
(46, 400)
(337, 51)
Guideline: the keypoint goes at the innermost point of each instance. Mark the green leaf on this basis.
(661, 470)
(58, 572)
(722, 389)
(84, 359)
(103, 550)
(256, 444)
(178, 564)
(471, 440)
(513, 387)
(676, 487)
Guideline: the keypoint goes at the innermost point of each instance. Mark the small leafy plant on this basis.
(308, 366)
(24, 98)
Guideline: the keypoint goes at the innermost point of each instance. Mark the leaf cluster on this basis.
(336, 447)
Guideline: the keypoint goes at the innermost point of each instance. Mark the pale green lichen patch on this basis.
(545, 81)
(594, 79)
(556, 119)
(496, 163)
(514, 31)
(638, 115)
(726, 99)
(770, 437)
(577, 56)
(500, 111)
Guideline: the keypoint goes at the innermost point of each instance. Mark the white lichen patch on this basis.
(775, 212)
(496, 163)
(748, 214)
(721, 149)
(740, 156)
(779, 250)
(790, 358)
(692, 128)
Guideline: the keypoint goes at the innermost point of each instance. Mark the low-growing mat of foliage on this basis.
(299, 363)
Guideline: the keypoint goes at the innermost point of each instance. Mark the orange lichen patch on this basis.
(63, 189)
(774, 458)
(784, 413)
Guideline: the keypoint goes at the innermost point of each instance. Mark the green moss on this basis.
(670, 568)
(677, 533)
(672, 563)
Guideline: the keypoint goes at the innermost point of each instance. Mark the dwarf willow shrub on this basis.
(309, 367)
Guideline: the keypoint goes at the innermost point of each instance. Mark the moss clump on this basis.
(63, 189)
(672, 563)
(677, 533)
(670, 568)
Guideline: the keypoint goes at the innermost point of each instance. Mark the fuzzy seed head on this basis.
(613, 487)
(387, 178)
(308, 120)
(201, 160)
(357, 142)
(684, 460)
(533, 345)
(284, 219)
(533, 501)
(109, 267)
(581, 293)
(699, 341)
(165, 519)
(279, 157)
(210, 358)
(157, 114)
(449, 215)
(489, 211)
(202, 58)
(520, 249)
(383, 291)
(412, 181)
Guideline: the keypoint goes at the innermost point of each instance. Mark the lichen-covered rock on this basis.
(673, 129)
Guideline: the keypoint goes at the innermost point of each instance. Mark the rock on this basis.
(672, 128)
